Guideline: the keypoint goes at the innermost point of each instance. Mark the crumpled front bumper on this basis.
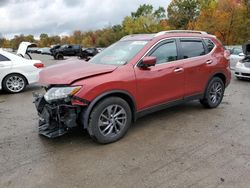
(57, 118)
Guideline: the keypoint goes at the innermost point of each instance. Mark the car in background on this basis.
(66, 50)
(135, 76)
(53, 48)
(242, 68)
(236, 55)
(16, 72)
(32, 50)
(44, 51)
(100, 49)
(88, 53)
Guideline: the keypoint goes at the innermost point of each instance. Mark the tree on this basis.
(226, 19)
(144, 20)
(182, 12)
(44, 39)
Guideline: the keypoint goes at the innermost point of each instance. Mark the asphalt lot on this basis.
(184, 146)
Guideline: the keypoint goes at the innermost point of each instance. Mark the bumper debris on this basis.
(55, 119)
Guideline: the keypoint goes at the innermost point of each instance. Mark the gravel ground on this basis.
(184, 146)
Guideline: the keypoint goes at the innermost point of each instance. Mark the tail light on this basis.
(227, 54)
(39, 65)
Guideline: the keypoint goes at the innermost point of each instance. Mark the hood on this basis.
(246, 48)
(23, 46)
(67, 73)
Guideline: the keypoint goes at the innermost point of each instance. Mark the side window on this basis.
(3, 58)
(165, 53)
(192, 48)
(210, 45)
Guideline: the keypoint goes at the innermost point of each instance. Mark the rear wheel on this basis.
(214, 93)
(14, 83)
(110, 120)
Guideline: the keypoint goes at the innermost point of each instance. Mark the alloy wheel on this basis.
(15, 83)
(216, 92)
(112, 120)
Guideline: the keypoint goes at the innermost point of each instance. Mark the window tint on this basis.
(210, 45)
(3, 58)
(192, 48)
(165, 53)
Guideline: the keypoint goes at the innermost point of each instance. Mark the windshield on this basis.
(119, 53)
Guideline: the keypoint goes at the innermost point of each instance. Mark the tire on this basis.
(59, 56)
(14, 83)
(214, 93)
(105, 126)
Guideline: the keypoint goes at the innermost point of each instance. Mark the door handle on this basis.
(178, 70)
(209, 62)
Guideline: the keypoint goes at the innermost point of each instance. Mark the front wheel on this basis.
(214, 93)
(110, 120)
(59, 56)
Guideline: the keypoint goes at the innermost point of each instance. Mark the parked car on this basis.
(135, 76)
(16, 72)
(88, 53)
(53, 48)
(236, 55)
(44, 51)
(242, 68)
(32, 50)
(66, 50)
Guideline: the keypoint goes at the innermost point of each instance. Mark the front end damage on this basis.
(56, 118)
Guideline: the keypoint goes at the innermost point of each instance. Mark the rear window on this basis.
(192, 48)
(210, 45)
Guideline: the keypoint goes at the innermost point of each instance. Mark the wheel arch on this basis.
(115, 93)
(221, 75)
(15, 73)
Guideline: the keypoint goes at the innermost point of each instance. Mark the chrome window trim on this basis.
(201, 38)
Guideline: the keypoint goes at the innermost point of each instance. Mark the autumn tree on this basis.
(43, 40)
(145, 20)
(183, 12)
(226, 19)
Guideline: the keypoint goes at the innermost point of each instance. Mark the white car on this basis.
(236, 55)
(16, 72)
(242, 68)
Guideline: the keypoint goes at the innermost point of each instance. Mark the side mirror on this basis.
(241, 54)
(148, 61)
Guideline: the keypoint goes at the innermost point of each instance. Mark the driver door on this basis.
(5, 66)
(163, 82)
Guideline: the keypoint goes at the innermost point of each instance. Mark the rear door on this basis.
(163, 82)
(197, 64)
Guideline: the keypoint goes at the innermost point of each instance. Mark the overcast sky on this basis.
(62, 17)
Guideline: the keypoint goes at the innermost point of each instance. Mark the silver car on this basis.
(236, 55)
(242, 68)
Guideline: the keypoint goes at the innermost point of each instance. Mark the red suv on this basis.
(137, 75)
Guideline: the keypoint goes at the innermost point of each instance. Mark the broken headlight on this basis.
(56, 93)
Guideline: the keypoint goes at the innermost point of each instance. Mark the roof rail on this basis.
(179, 31)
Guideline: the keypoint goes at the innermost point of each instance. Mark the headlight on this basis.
(56, 93)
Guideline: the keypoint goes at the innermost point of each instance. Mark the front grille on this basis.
(247, 64)
(245, 74)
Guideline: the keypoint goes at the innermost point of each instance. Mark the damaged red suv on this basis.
(137, 75)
